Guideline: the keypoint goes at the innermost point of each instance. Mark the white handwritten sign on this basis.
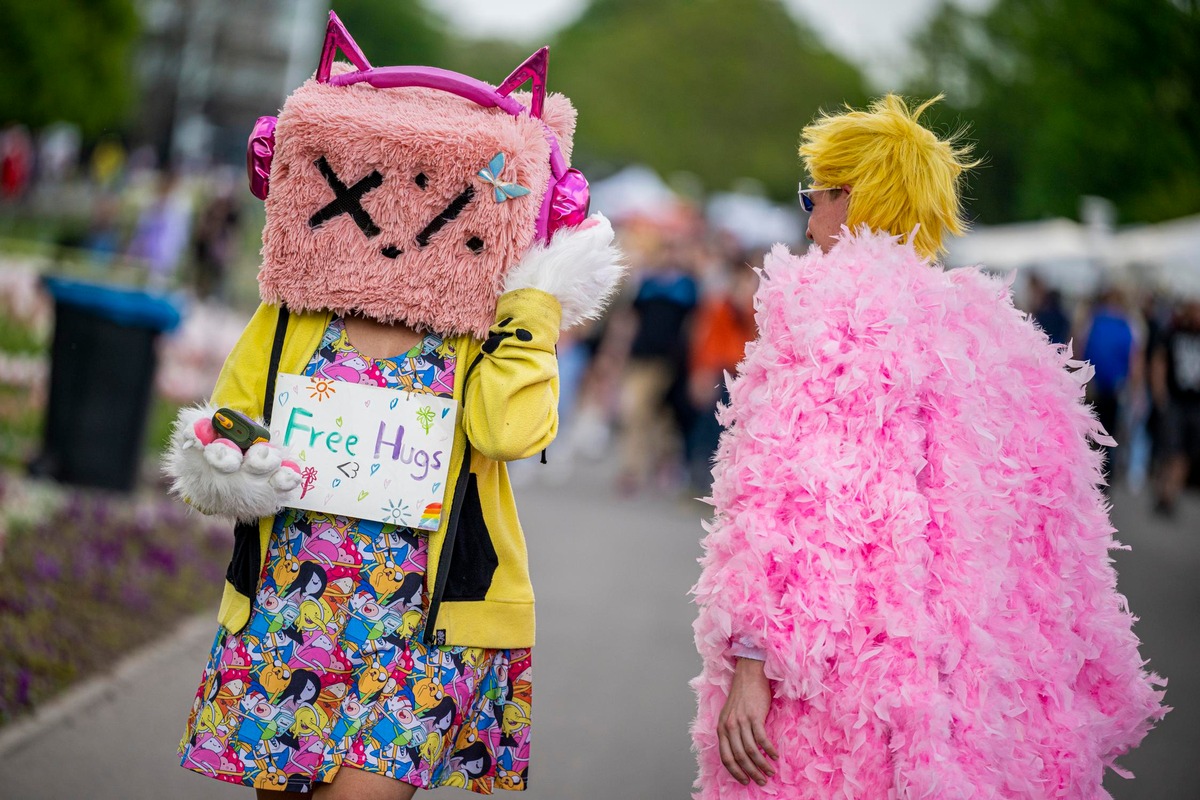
(364, 451)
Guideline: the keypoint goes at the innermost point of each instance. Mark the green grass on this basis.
(17, 338)
(20, 427)
(158, 427)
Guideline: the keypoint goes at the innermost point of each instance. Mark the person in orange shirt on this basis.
(723, 325)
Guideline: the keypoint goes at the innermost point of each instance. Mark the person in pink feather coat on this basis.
(906, 590)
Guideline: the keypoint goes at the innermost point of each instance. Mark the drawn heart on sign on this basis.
(445, 411)
(394, 401)
(367, 404)
(349, 469)
(436, 485)
(374, 468)
(304, 455)
(387, 483)
(337, 482)
(338, 421)
(283, 398)
(363, 494)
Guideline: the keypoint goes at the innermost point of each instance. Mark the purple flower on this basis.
(135, 597)
(161, 559)
(47, 567)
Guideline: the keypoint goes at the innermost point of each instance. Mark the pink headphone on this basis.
(566, 200)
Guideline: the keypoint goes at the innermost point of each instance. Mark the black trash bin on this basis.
(101, 375)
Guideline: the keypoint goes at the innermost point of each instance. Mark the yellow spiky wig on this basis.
(900, 173)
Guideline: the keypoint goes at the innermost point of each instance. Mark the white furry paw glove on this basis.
(580, 266)
(213, 475)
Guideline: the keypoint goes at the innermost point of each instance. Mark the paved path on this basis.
(613, 660)
(614, 655)
(1160, 575)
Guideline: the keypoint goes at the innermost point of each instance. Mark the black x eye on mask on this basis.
(347, 201)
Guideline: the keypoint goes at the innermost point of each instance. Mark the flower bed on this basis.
(85, 578)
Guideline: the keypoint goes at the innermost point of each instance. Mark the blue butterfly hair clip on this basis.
(491, 174)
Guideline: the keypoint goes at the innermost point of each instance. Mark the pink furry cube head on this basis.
(377, 207)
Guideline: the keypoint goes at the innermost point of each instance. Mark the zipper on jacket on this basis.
(460, 489)
(443, 573)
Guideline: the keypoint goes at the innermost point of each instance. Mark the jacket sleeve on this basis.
(511, 389)
(243, 378)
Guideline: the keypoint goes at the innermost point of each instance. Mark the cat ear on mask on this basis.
(260, 150)
(338, 38)
(532, 69)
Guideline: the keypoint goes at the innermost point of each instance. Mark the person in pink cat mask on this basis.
(425, 243)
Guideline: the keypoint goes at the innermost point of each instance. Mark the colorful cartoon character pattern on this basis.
(331, 669)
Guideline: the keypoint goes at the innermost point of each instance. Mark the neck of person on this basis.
(375, 339)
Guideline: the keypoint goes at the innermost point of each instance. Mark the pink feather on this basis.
(908, 520)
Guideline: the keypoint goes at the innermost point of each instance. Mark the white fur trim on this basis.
(581, 267)
(202, 478)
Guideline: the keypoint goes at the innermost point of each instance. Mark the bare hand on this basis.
(741, 727)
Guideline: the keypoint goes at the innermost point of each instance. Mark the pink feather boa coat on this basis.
(908, 522)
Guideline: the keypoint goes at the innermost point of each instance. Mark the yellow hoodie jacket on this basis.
(507, 386)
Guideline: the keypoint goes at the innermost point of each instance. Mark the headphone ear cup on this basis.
(260, 149)
(569, 202)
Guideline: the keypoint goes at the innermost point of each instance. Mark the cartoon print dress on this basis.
(331, 669)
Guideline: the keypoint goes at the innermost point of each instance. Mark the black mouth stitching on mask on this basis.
(447, 215)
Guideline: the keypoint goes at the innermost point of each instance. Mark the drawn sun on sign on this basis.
(322, 388)
(396, 510)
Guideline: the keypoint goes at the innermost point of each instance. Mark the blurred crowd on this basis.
(1144, 348)
(682, 323)
(655, 370)
(644, 384)
(111, 208)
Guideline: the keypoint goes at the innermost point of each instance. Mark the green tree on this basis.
(1072, 97)
(489, 60)
(718, 88)
(393, 32)
(67, 60)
